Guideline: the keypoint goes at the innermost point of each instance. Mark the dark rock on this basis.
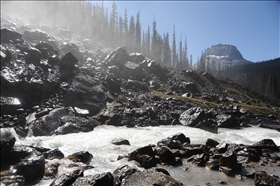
(222, 147)
(213, 164)
(95, 180)
(7, 145)
(145, 156)
(117, 57)
(120, 141)
(181, 137)
(226, 170)
(165, 155)
(67, 178)
(135, 84)
(211, 143)
(33, 56)
(82, 156)
(67, 67)
(28, 162)
(199, 159)
(53, 154)
(73, 49)
(266, 144)
(131, 69)
(8, 35)
(227, 121)
(263, 179)
(122, 172)
(136, 57)
(46, 50)
(12, 180)
(192, 116)
(51, 171)
(209, 125)
(84, 92)
(150, 177)
(229, 159)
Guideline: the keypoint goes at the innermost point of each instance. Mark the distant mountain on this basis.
(225, 55)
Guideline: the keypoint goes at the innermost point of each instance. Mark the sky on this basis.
(251, 26)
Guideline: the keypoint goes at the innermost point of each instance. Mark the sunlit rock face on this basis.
(225, 55)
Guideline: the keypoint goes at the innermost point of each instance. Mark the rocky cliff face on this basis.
(225, 55)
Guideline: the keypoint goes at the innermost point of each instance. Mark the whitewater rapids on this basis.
(105, 154)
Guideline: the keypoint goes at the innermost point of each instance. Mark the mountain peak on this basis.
(224, 51)
(224, 55)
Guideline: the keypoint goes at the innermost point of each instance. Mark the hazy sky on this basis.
(252, 26)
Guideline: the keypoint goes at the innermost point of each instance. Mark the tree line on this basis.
(109, 29)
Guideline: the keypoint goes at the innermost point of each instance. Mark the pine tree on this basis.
(125, 28)
(138, 33)
(131, 46)
(185, 56)
(174, 58)
(154, 40)
(166, 51)
(112, 24)
(191, 62)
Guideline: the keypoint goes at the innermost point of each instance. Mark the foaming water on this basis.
(105, 154)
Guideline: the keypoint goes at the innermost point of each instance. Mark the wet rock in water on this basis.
(199, 159)
(122, 172)
(266, 144)
(211, 143)
(151, 176)
(222, 147)
(51, 171)
(67, 178)
(229, 159)
(165, 155)
(120, 141)
(82, 156)
(96, 180)
(17, 180)
(7, 145)
(145, 156)
(27, 162)
(263, 179)
(53, 154)
(209, 125)
(213, 164)
(227, 121)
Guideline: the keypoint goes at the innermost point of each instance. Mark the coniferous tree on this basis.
(185, 56)
(166, 51)
(131, 43)
(112, 25)
(138, 33)
(180, 60)
(154, 39)
(125, 28)
(174, 57)
(191, 62)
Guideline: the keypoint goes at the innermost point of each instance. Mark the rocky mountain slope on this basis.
(53, 86)
(224, 55)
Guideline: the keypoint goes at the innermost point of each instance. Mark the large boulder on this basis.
(154, 176)
(192, 116)
(8, 36)
(145, 156)
(26, 162)
(84, 92)
(95, 180)
(82, 156)
(59, 121)
(118, 57)
(67, 178)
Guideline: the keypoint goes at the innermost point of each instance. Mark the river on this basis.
(105, 154)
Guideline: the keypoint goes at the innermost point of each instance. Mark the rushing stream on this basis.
(105, 154)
